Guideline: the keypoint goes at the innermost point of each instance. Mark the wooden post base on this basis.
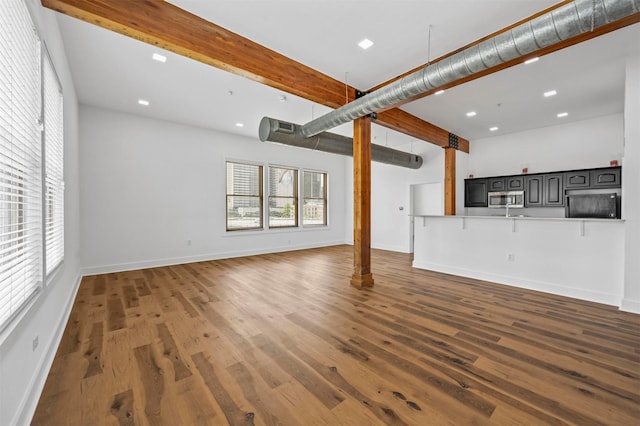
(362, 281)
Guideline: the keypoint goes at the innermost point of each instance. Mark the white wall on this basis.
(390, 190)
(578, 145)
(149, 186)
(630, 183)
(23, 371)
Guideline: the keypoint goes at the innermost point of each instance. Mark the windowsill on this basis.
(273, 231)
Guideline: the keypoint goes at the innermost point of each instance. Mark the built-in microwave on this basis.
(506, 198)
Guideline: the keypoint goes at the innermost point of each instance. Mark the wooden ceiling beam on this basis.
(604, 29)
(162, 24)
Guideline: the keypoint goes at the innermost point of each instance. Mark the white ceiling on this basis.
(113, 71)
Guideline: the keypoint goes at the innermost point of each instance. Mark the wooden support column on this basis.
(450, 181)
(362, 203)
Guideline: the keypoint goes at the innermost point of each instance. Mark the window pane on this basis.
(282, 182)
(244, 212)
(244, 179)
(314, 209)
(283, 197)
(314, 184)
(244, 196)
(313, 212)
(282, 212)
(53, 167)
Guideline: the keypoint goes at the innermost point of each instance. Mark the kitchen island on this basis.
(581, 258)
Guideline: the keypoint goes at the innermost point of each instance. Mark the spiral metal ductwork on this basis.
(543, 31)
(273, 130)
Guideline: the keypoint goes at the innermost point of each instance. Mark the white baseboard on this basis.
(155, 263)
(397, 249)
(629, 305)
(28, 406)
(546, 287)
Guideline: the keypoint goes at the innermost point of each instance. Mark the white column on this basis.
(631, 186)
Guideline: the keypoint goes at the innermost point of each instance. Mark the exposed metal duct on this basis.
(546, 30)
(273, 130)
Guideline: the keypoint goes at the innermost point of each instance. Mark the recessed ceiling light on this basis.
(562, 114)
(158, 57)
(143, 102)
(531, 60)
(365, 44)
(282, 98)
(471, 113)
(493, 129)
(239, 124)
(439, 92)
(550, 93)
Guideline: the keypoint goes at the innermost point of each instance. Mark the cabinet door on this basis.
(497, 184)
(475, 193)
(606, 178)
(533, 191)
(553, 189)
(578, 179)
(515, 183)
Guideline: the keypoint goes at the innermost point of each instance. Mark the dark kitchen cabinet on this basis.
(533, 191)
(553, 189)
(509, 183)
(475, 192)
(497, 184)
(515, 183)
(606, 178)
(577, 180)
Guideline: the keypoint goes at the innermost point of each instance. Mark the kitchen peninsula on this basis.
(527, 252)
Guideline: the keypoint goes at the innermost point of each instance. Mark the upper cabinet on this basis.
(606, 178)
(509, 183)
(553, 190)
(578, 179)
(533, 191)
(542, 190)
(475, 192)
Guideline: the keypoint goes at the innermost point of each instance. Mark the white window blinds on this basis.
(20, 159)
(53, 166)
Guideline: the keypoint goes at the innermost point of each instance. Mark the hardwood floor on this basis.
(284, 339)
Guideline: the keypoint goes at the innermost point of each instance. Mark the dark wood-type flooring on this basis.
(284, 339)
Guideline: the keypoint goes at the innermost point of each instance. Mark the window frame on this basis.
(22, 266)
(260, 195)
(324, 199)
(52, 167)
(295, 196)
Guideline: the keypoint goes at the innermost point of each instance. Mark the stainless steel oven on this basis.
(506, 198)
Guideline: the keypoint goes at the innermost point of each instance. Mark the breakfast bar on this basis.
(580, 258)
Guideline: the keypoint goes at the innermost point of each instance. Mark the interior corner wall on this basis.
(154, 193)
(630, 182)
(390, 191)
(23, 369)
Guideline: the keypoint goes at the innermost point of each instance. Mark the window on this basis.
(244, 196)
(314, 210)
(53, 167)
(283, 197)
(20, 160)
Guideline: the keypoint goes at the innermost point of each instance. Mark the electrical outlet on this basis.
(511, 257)
(35, 343)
